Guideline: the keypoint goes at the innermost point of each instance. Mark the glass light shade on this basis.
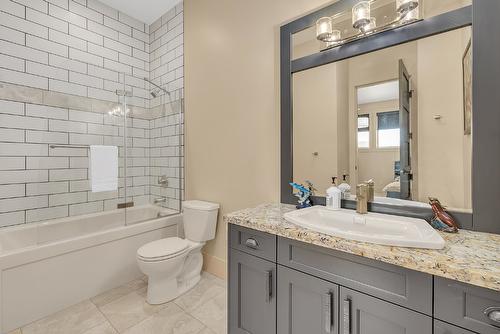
(372, 25)
(336, 35)
(324, 29)
(412, 15)
(403, 7)
(361, 14)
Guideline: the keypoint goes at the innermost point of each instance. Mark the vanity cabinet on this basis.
(444, 328)
(363, 314)
(252, 296)
(282, 286)
(306, 304)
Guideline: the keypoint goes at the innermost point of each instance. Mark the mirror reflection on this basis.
(400, 116)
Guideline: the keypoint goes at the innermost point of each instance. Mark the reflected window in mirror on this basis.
(388, 132)
(364, 131)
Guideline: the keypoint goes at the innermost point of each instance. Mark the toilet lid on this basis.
(163, 248)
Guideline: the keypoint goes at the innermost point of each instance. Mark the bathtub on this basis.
(48, 266)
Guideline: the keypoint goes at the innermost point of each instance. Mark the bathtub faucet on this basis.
(160, 200)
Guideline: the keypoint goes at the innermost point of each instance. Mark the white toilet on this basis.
(173, 265)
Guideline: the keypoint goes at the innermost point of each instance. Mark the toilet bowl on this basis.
(173, 265)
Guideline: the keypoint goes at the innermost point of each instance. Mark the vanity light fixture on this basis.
(362, 20)
(361, 15)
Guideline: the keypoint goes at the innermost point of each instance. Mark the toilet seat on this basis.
(162, 249)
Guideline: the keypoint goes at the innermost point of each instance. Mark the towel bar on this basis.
(69, 146)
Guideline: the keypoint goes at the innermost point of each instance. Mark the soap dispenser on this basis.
(333, 196)
(345, 188)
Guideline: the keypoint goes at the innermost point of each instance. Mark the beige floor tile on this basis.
(129, 310)
(212, 313)
(73, 320)
(116, 293)
(214, 278)
(104, 328)
(206, 289)
(170, 320)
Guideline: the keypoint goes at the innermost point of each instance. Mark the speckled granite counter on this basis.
(470, 257)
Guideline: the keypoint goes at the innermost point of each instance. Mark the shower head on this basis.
(155, 92)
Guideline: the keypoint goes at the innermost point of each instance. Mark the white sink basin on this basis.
(372, 227)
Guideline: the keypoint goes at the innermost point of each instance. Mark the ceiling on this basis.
(146, 11)
(386, 91)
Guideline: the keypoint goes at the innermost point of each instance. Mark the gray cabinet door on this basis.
(467, 306)
(444, 328)
(306, 304)
(252, 297)
(363, 314)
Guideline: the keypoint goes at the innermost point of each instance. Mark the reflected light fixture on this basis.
(407, 12)
(403, 7)
(361, 15)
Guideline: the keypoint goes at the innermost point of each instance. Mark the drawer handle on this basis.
(328, 311)
(269, 286)
(347, 316)
(493, 313)
(252, 243)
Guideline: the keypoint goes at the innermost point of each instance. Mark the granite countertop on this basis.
(469, 257)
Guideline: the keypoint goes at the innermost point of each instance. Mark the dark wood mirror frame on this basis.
(483, 18)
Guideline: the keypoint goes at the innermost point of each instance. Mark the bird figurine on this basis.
(442, 220)
(302, 194)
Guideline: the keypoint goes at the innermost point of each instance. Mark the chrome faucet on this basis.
(160, 200)
(362, 197)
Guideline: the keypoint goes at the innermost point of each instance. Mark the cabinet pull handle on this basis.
(493, 313)
(252, 243)
(269, 285)
(347, 316)
(328, 311)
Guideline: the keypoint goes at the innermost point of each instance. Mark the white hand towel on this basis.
(103, 168)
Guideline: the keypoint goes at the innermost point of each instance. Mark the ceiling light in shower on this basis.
(361, 15)
(117, 111)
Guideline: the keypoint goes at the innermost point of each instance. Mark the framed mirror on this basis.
(408, 107)
(396, 116)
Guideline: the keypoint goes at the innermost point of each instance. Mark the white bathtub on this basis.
(48, 266)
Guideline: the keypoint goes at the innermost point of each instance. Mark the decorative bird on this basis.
(442, 220)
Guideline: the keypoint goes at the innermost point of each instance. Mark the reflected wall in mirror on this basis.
(395, 116)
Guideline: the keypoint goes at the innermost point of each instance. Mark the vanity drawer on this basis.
(253, 242)
(398, 285)
(444, 328)
(466, 305)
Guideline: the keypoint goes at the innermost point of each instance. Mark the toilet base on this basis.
(165, 288)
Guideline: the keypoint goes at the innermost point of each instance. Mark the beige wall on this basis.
(320, 125)
(444, 150)
(232, 104)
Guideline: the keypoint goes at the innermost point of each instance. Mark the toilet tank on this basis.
(200, 220)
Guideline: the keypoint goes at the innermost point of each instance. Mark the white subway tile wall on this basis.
(67, 54)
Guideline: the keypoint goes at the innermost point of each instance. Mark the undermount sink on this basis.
(371, 227)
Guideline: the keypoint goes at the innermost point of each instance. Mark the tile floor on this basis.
(202, 310)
